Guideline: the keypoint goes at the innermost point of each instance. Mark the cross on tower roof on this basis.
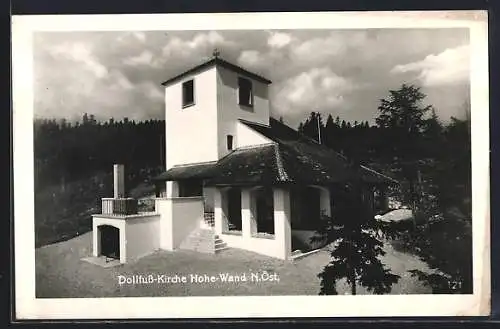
(216, 53)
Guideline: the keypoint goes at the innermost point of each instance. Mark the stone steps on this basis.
(203, 240)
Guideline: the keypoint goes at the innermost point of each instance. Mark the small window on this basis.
(245, 93)
(229, 142)
(188, 93)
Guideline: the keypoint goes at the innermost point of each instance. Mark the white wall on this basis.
(263, 246)
(279, 247)
(246, 136)
(229, 111)
(187, 215)
(208, 194)
(163, 207)
(142, 236)
(179, 217)
(198, 133)
(191, 132)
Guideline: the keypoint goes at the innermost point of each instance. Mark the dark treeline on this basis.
(66, 151)
(434, 158)
(432, 162)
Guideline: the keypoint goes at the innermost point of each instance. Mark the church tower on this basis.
(203, 106)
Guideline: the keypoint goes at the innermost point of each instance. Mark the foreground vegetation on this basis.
(432, 162)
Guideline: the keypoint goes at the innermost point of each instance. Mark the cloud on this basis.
(278, 39)
(345, 72)
(146, 58)
(80, 52)
(317, 89)
(446, 68)
(72, 79)
(251, 58)
(178, 47)
(140, 36)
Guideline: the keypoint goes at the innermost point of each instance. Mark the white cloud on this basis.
(80, 52)
(140, 36)
(145, 58)
(279, 39)
(81, 83)
(151, 90)
(201, 41)
(316, 89)
(251, 58)
(446, 68)
(319, 49)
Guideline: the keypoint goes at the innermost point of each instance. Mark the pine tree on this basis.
(301, 128)
(402, 116)
(329, 122)
(329, 131)
(356, 251)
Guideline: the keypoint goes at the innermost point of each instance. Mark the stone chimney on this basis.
(119, 181)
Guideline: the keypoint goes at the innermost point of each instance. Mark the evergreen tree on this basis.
(301, 128)
(330, 130)
(329, 122)
(356, 251)
(402, 116)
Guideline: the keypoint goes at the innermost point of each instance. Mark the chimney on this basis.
(119, 181)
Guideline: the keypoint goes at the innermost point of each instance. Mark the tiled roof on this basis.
(290, 158)
(190, 171)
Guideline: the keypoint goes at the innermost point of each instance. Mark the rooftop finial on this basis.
(216, 53)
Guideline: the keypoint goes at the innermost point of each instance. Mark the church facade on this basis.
(235, 177)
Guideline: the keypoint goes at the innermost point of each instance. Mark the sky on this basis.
(340, 72)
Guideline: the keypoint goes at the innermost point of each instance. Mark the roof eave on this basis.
(214, 62)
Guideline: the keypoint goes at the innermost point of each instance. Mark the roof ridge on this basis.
(279, 163)
(214, 62)
(254, 123)
(378, 173)
(256, 146)
(194, 164)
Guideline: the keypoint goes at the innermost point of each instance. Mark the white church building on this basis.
(234, 178)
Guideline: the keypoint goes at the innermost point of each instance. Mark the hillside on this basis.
(64, 211)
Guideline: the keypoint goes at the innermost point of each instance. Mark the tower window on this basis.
(245, 93)
(188, 93)
(229, 142)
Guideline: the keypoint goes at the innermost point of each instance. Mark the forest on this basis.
(66, 151)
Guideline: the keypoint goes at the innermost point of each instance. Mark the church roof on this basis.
(189, 171)
(216, 61)
(290, 158)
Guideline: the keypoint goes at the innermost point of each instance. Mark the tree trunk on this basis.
(353, 285)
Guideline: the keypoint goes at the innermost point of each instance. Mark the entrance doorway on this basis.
(110, 241)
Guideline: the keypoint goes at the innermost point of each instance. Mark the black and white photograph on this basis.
(287, 161)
